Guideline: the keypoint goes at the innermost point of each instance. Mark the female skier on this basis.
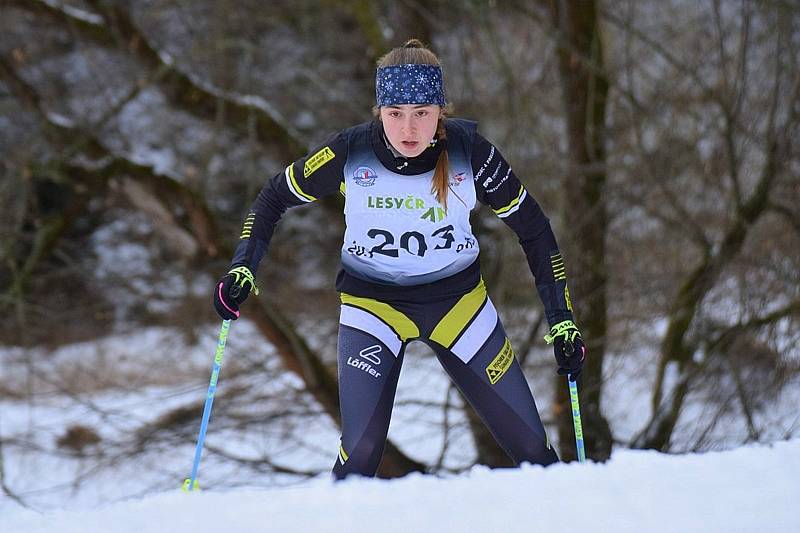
(410, 268)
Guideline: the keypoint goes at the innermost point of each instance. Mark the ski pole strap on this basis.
(566, 329)
(243, 276)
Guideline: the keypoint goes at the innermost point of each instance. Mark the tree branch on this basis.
(185, 91)
(290, 346)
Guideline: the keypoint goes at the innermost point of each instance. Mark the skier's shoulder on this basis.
(460, 135)
(461, 128)
(359, 133)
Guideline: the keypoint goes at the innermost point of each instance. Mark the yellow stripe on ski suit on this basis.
(400, 323)
(459, 316)
(295, 187)
(513, 203)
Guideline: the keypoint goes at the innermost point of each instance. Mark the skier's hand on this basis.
(568, 347)
(231, 290)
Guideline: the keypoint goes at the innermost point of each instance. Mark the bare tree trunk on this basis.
(680, 346)
(580, 56)
(291, 348)
(119, 30)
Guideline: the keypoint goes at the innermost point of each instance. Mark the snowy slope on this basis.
(748, 489)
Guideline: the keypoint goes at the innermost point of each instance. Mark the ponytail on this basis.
(440, 184)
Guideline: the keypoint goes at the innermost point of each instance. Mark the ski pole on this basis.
(576, 419)
(569, 348)
(190, 483)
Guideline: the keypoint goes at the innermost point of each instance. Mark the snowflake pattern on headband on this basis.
(409, 84)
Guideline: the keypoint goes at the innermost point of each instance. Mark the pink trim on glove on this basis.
(221, 299)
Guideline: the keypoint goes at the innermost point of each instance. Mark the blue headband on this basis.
(409, 84)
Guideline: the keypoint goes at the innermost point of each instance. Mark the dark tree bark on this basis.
(291, 348)
(119, 31)
(689, 345)
(585, 90)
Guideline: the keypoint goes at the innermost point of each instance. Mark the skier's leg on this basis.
(481, 362)
(370, 358)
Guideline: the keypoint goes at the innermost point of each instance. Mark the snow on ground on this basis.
(739, 490)
(748, 489)
(120, 393)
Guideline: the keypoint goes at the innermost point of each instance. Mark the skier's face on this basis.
(410, 127)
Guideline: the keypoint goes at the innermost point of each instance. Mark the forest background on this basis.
(660, 137)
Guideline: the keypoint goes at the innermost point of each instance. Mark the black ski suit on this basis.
(410, 271)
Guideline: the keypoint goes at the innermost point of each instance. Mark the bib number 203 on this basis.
(412, 242)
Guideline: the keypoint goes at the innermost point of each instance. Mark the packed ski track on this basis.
(752, 488)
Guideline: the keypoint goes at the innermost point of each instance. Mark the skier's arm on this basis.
(308, 179)
(498, 187)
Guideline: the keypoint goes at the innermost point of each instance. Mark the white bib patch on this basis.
(396, 230)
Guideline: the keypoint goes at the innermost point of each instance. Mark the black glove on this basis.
(568, 347)
(231, 290)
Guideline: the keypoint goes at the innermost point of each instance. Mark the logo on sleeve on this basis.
(317, 160)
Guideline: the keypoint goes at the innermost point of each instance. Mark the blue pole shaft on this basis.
(576, 420)
(212, 388)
